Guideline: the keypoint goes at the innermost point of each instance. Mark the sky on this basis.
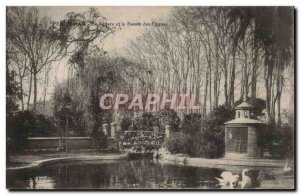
(113, 43)
(115, 14)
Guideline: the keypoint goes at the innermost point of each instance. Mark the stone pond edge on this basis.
(166, 156)
(39, 163)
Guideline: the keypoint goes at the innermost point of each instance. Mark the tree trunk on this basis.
(242, 84)
(22, 98)
(205, 93)
(210, 85)
(246, 86)
(225, 84)
(254, 72)
(45, 88)
(279, 92)
(29, 93)
(232, 79)
(268, 85)
(216, 79)
(34, 90)
(278, 109)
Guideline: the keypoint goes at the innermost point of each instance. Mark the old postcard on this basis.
(150, 98)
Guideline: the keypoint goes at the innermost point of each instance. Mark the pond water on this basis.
(124, 174)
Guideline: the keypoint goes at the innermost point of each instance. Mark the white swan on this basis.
(260, 177)
(246, 181)
(287, 169)
(228, 179)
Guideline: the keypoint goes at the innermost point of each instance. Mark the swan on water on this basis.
(232, 181)
(287, 169)
(246, 181)
(228, 179)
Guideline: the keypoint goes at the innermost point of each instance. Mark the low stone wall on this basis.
(43, 142)
(74, 143)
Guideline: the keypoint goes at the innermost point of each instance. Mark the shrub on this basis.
(159, 119)
(180, 143)
(125, 123)
(44, 126)
(18, 128)
(27, 123)
(166, 117)
(210, 141)
(191, 123)
(126, 119)
(145, 122)
(206, 135)
(278, 140)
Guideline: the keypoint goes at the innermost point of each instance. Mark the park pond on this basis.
(114, 174)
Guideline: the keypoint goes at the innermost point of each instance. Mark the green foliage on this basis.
(12, 93)
(26, 123)
(103, 75)
(180, 142)
(159, 119)
(191, 123)
(126, 121)
(205, 135)
(44, 126)
(167, 117)
(83, 29)
(273, 27)
(65, 110)
(211, 143)
(221, 115)
(80, 95)
(143, 122)
(125, 124)
(278, 140)
(18, 128)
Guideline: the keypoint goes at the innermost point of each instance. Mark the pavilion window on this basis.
(237, 139)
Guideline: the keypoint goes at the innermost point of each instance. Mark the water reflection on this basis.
(140, 174)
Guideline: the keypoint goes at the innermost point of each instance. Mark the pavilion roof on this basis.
(244, 105)
(244, 121)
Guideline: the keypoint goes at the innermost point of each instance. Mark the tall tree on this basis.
(35, 37)
(274, 34)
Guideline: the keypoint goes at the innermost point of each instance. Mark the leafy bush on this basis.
(18, 128)
(278, 140)
(44, 126)
(167, 117)
(68, 107)
(143, 122)
(191, 123)
(202, 137)
(159, 119)
(27, 123)
(210, 141)
(125, 123)
(180, 143)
